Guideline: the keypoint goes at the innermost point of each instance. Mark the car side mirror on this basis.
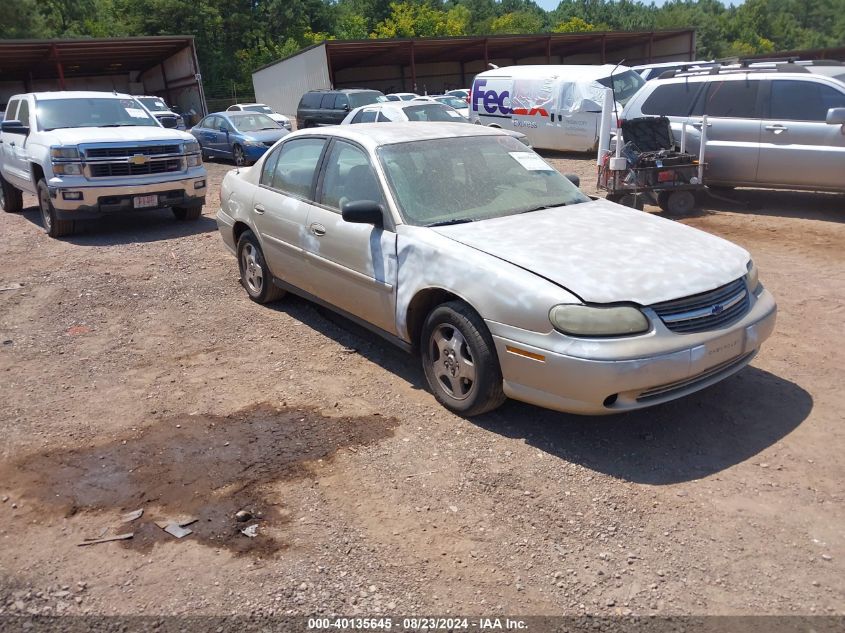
(575, 179)
(835, 116)
(14, 126)
(346, 108)
(363, 212)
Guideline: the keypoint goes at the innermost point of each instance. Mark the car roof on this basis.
(401, 105)
(373, 135)
(243, 105)
(572, 72)
(80, 94)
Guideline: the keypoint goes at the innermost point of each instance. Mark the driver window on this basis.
(349, 177)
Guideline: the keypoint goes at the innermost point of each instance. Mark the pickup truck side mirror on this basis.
(363, 212)
(835, 116)
(14, 127)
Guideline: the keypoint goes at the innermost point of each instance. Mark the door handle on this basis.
(777, 129)
(259, 209)
(318, 229)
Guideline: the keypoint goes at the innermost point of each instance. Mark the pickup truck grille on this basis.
(126, 152)
(104, 170)
(705, 311)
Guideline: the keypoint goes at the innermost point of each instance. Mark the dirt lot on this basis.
(136, 374)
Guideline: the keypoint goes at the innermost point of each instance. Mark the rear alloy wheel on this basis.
(238, 154)
(11, 199)
(676, 202)
(187, 213)
(459, 360)
(256, 277)
(52, 225)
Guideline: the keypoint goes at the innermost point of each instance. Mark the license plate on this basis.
(145, 202)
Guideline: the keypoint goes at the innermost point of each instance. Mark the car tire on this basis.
(53, 226)
(256, 277)
(676, 202)
(459, 360)
(11, 198)
(206, 157)
(187, 213)
(239, 156)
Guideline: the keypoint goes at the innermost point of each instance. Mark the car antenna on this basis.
(613, 89)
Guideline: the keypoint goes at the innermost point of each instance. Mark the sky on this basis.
(550, 5)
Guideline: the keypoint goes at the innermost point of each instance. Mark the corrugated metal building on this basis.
(433, 65)
(164, 66)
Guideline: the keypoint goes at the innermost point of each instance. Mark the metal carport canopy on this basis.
(26, 60)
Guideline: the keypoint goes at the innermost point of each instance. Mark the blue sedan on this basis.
(240, 136)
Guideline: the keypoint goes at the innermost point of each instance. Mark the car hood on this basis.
(265, 135)
(606, 253)
(279, 118)
(75, 136)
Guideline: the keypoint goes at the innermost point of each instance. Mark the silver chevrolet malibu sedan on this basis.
(459, 243)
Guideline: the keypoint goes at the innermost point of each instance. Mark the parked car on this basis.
(240, 136)
(330, 107)
(163, 112)
(450, 100)
(88, 154)
(460, 93)
(777, 126)
(281, 119)
(423, 109)
(458, 242)
(401, 96)
(557, 106)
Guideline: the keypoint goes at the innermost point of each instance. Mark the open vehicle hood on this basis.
(606, 253)
(75, 136)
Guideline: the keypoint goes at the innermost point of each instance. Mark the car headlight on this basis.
(192, 147)
(752, 277)
(67, 169)
(581, 320)
(193, 160)
(64, 153)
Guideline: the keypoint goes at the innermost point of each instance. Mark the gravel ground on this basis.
(137, 375)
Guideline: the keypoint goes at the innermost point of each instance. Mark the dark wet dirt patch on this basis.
(200, 466)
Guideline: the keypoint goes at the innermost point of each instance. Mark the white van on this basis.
(556, 107)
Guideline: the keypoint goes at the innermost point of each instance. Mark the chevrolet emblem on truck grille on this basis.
(138, 159)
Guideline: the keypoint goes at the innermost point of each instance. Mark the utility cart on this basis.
(646, 167)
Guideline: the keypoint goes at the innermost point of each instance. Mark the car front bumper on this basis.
(602, 385)
(93, 200)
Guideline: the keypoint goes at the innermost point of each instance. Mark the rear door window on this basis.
(672, 99)
(295, 167)
(803, 100)
(341, 101)
(328, 101)
(732, 99)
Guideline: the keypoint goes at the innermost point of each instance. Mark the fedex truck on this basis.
(557, 107)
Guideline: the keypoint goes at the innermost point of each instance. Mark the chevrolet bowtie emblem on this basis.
(138, 159)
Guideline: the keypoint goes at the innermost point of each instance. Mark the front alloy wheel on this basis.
(256, 277)
(459, 360)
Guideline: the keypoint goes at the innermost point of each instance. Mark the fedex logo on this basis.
(498, 103)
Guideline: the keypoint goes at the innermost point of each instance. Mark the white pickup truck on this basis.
(89, 154)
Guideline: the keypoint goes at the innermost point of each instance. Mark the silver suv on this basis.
(772, 125)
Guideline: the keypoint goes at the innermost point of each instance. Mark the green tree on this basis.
(517, 22)
(573, 25)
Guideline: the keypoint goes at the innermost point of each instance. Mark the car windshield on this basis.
(259, 108)
(358, 99)
(463, 179)
(431, 112)
(625, 85)
(153, 104)
(56, 114)
(253, 122)
(453, 101)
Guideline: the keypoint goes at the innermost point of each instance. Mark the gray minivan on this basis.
(766, 127)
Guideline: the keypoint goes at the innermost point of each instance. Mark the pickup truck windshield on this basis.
(463, 179)
(56, 114)
(154, 105)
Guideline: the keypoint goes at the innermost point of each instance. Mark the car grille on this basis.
(125, 152)
(103, 170)
(705, 311)
(170, 118)
(723, 369)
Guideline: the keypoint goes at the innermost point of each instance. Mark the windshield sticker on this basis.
(530, 161)
(136, 113)
(453, 114)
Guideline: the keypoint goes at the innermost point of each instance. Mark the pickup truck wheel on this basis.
(187, 213)
(11, 199)
(52, 225)
(256, 277)
(459, 360)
